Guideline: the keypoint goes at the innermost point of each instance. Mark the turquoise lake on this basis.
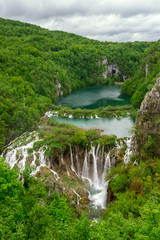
(95, 97)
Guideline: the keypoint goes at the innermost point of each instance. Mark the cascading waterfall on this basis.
(85, 169)
(85, 173)
(107, 166)
(19, 155)
(102, 156)
(95, 178)
(99, 197)
(128, 151)
(62, 160)
(78, 163)
(72, 163)
(92, 168)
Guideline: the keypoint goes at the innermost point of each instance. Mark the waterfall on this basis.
(85, 169)
(72, 163)
(95, 179)
(128, 151)
(22, 163)
(71, 156)
(62, 160)
(85, 166)
(102, 156)
(107, 166)
(92, 167)
(11, 158)
(77, 161)
(95, 174)
(18, 155)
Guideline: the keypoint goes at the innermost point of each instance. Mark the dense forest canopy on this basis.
(34, 60)
(145, 77)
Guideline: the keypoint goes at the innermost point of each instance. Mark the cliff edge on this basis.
(147, 135)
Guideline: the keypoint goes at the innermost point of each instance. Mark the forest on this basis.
(33, 61)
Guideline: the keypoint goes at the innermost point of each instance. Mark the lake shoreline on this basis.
(103, 112)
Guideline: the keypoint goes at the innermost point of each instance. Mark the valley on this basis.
(80, 155)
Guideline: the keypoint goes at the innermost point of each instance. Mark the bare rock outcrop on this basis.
(151, 102)
(112, 69)
(147, 136)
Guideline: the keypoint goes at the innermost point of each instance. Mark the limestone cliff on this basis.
(112, 69)
(147, 136)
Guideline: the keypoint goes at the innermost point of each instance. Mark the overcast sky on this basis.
(104, 20)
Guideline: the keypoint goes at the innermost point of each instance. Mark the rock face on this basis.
(151, 103)
(111, 70)
(147, 137)
(59, 91)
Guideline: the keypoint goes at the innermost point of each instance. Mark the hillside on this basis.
(55, 179)
(37, 65)
(145, 77)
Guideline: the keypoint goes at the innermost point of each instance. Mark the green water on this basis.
(120, 127)
(94, 97)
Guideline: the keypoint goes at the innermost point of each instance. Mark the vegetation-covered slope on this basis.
(145, 76)
(34, 62)
(30, 211)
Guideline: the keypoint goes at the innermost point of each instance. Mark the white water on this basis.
(99, 197)
(78, 162)
(93, 169)
(101, 164)
(72, 163)
(85, 173)
(19, 155)
(62, 160)
(96, 175)
(95, 179)
(128, 151)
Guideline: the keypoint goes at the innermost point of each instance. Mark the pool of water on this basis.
(91, 98)
(95, 97)
(120, 127)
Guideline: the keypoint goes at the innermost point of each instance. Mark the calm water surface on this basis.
(95, 97)
(120, 127)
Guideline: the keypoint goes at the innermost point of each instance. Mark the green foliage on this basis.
(92, 135)
(150, 146)
(119, 183)
(80, 229)
(80, 138)
(108, 140)
(145, 76)
(109, 111)
(29, 212)
(61, 214)
(34, 61)
(58, 137)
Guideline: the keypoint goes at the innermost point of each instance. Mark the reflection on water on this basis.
(120, 127)
(94, 97)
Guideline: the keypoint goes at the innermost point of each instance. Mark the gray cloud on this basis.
(119, 20)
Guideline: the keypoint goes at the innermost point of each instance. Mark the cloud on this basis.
(116, 20)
